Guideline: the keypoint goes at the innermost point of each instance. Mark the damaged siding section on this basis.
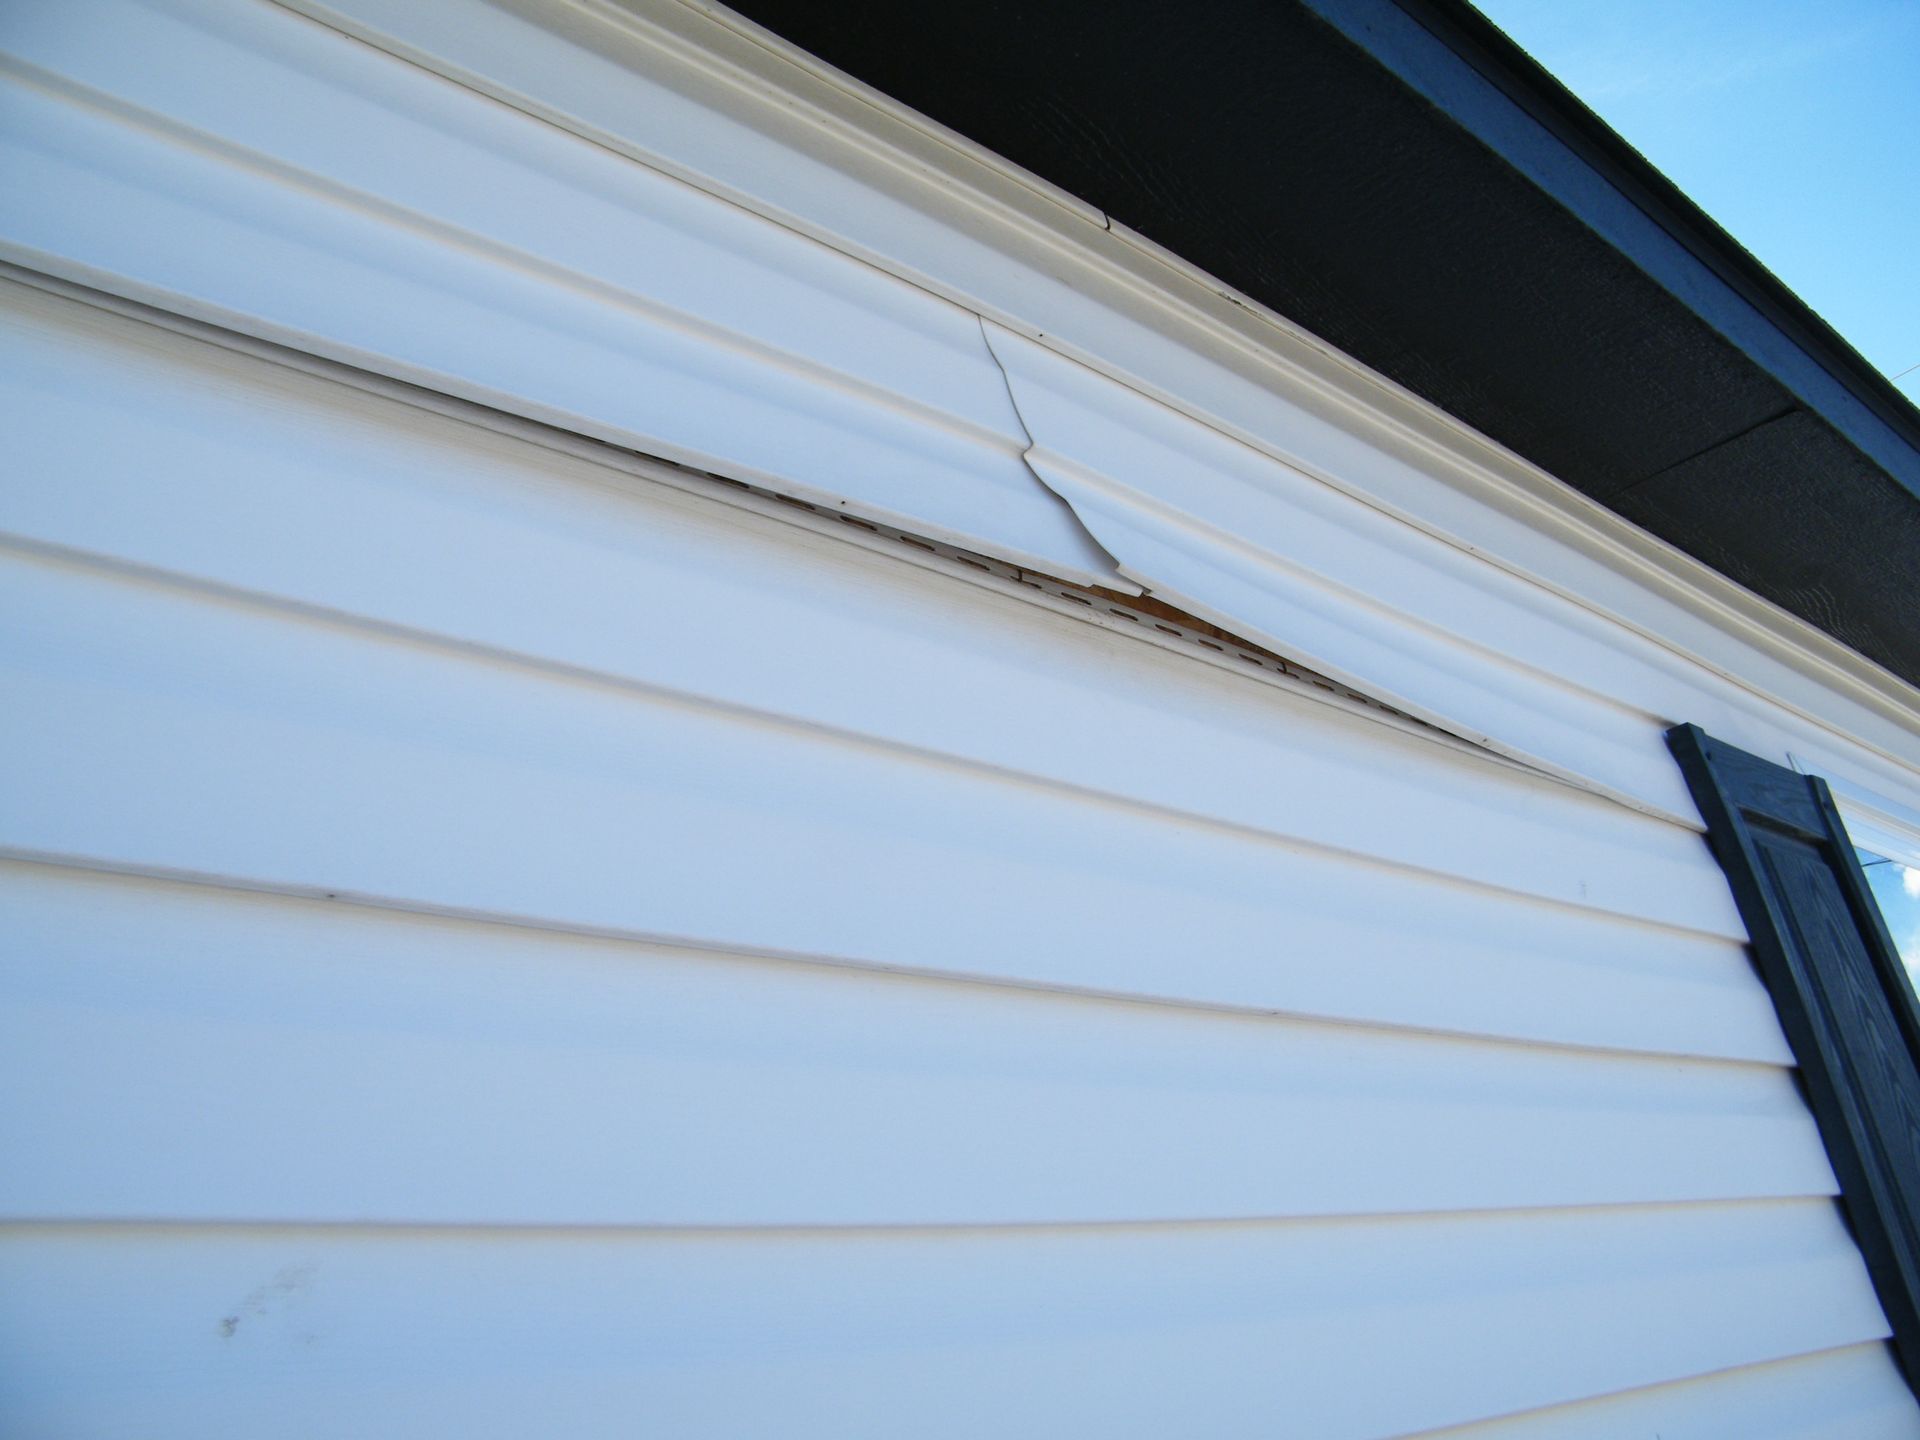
(630, 954)
(617, 821)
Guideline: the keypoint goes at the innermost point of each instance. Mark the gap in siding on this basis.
(1145, 611)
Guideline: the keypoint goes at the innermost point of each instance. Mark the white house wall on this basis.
(504, 933)
(444, 543)
(493, 936)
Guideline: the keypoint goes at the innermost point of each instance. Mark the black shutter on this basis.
(1844, 998)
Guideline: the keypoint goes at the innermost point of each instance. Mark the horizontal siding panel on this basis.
(1415, 659)
(1840, 1394)
(1855, 1393)
(165, 730)
(1268, 549)
(1289, 515)
(238, 161)
(298, 1060)
(1253, 1329)
(210, 464)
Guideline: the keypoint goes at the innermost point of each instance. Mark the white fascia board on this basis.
(243, 165)
(701, 93)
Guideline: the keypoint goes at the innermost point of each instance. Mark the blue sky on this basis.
(1794, 123)
(1897, 888)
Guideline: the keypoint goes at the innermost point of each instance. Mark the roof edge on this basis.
(1475, 74)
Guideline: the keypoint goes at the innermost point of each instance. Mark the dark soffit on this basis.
(1402, 180)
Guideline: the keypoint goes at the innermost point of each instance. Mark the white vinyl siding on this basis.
(1333, 1329)
(235, 160)
(503, 940)
(704, 251)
